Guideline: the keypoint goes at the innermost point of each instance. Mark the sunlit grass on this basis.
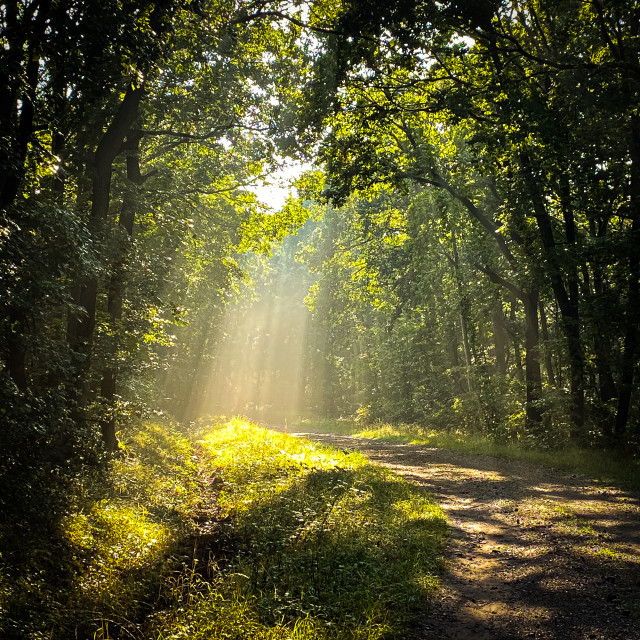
(231, 531)
(597, 464)
(98, 537)
(123, 544)
(330, 546)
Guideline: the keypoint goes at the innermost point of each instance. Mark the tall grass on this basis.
(228, 531)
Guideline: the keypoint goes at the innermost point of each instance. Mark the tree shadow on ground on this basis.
(534, 553)
(335, 545)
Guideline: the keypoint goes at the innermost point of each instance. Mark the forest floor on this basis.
(533, 552)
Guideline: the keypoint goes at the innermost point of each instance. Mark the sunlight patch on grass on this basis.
(121, 545)
(160, 469)
(115, 543)
(329, 546)
(240, 444)
(229, 531)
(233, 531)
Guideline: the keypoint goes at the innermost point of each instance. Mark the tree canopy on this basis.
(472, 250)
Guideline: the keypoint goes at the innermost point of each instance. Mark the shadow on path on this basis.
(534, 553)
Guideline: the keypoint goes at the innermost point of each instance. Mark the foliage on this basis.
(467, 251)
(228, 528)
(124, 192)
(487, 118)
(478, 260)
(95, 557)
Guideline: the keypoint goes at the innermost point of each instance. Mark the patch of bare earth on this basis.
(534, 553)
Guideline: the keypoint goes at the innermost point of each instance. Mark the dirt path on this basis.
(534, 553)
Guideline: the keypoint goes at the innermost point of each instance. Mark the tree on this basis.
(121, 120)
(514, 91)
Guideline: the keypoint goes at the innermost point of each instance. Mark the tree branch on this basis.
(496, 278)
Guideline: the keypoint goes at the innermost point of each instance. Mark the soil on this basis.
(533, 552)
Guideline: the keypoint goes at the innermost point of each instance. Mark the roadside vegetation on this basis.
(227, 531)
(600, 465)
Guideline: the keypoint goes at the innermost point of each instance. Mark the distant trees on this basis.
(480, 258)
(522, 115)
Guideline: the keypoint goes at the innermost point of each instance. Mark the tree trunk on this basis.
(106, 153)
(21, 52)
(630, 343)
(633, 287)
(601, 343)
(463, 319)
(109, 147)
(517, 356)
(109, 382)
(498, 339)
(567, 300)
(548, 363)
(532, 362)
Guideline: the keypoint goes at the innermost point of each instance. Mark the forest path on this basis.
(533, 552)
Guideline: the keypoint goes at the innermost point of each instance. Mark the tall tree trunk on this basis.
(498, 339)
(109, 382)
(630, 340)
(24, 35)
(107, 150)
(630, 356)
(601, 343)
(517, 355)
(532, 360)
(567, 300)
(463, 318)
(548, 363)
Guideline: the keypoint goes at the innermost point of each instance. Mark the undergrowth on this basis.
(226, 531)
(600, 465)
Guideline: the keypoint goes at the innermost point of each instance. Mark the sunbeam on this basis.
(259, 369)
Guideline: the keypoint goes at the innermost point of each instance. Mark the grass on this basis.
(329, 546)
(228, 531)
(600, 465)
